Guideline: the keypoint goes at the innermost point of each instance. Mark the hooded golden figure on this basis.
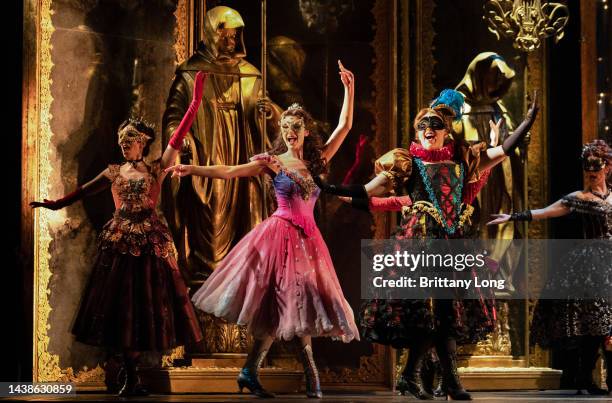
(208, 216)
(487, 80)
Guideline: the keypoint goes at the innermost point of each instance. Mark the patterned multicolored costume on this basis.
(436, 205)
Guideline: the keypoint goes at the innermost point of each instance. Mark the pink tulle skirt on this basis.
(280, 283)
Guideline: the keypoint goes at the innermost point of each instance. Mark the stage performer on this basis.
(572, 322)
(135, 299)
(279, 280)
(439, 178)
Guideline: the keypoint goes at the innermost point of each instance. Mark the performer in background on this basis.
(208, 216)
(571, 322)
(279, 280)
(135, 299)
(439, 178)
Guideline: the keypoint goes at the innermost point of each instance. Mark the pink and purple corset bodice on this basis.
(296, 197)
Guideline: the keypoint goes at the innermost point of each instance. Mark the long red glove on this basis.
(176, 141)
(60, 203)
(392, 203)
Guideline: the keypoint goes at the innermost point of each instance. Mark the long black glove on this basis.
(354, 191)
(357, 193)
(510, 143)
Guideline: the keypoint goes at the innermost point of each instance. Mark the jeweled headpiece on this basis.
(295, 106)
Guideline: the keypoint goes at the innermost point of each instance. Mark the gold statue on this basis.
(487, 80)
(208, 216)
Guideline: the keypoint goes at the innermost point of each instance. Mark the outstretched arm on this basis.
(495, 155)
(391, 203)
(557, 209)
(378, 186)
(95, 185)
(346, 115)
(252, 168)
(176, 141)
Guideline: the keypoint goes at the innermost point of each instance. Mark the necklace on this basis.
(602, 196)
(134, 163)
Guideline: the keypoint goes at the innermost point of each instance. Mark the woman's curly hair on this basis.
(313, 143)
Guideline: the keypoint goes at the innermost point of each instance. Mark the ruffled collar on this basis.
(445, 153)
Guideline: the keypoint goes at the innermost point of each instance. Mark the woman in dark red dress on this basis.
(136, 299)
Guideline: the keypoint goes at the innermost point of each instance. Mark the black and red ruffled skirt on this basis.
(136, 298)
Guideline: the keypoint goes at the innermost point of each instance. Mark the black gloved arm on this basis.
(512, 141)
(355, 191)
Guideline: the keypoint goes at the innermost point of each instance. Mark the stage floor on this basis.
(493, 397)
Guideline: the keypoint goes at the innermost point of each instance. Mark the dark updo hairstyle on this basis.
(313, 143)
(142, 126)
(598, 148)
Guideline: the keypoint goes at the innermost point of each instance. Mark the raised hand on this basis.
(519, 134)
(495, 134)
(499, 219)
(533, 108)
(347, 77)
(180, 170)
(176, 141)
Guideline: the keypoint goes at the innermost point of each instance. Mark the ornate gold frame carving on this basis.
(181, 32)
(537, 192)
(37, 168)
(46, 365)
(36, 171)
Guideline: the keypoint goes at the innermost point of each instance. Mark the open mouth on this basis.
(430, 136)
(292, 140)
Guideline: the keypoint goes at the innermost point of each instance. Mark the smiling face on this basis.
(431, 131)
(293, 131)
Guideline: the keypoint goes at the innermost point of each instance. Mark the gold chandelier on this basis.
(527, 22)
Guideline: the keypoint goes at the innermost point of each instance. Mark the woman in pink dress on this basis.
(279, 280)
